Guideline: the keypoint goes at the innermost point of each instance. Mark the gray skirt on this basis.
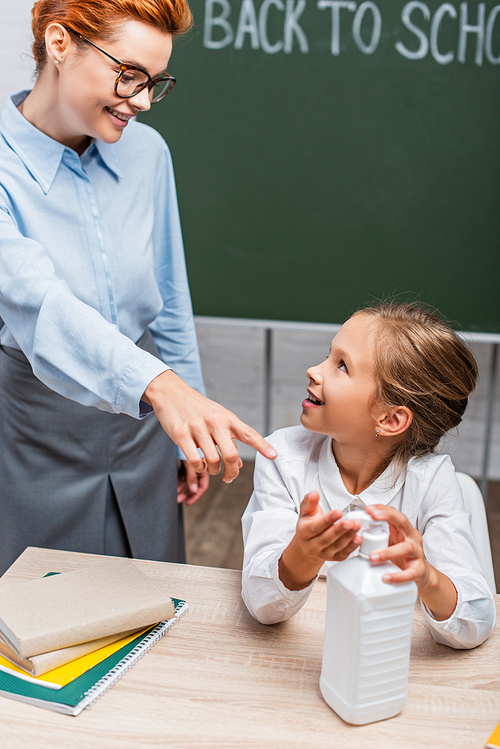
(79, 479)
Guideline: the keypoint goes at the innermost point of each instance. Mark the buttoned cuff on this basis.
(141, 371)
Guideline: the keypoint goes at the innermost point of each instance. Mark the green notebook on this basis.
(83, 690)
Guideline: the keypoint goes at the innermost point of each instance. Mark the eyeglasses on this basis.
(131, 79)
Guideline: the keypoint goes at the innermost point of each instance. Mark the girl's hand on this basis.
(405, 547)
(190, 485)
(318, 538)
(406, 551)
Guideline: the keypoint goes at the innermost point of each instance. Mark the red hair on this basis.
(97, 18)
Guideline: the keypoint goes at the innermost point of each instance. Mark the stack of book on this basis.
(66, 638)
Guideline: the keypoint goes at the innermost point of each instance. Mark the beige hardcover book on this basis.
(59, 611)
(38, 665)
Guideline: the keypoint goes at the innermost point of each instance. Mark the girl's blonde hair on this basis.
(421, 363)
(97, 19)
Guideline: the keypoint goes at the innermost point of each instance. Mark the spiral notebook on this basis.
(85, 689)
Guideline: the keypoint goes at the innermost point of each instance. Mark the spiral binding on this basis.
(121, 668)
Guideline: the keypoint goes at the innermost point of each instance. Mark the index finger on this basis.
(251, 437)
(391, 516)
(317, 525)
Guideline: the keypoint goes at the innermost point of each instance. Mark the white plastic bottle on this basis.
(368, 633)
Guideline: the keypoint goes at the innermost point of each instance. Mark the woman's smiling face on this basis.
(342, 389)
(88, 105)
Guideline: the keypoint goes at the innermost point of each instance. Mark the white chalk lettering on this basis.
(447, 57)
(247, 24)
(221, 21)
(466, 28)
(488, 42)
(292, 28)
(367, 49)
(266, 45)
(477, 32)
(424, 42)
(336, 6)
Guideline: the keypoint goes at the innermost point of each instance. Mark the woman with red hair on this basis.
(97, 323)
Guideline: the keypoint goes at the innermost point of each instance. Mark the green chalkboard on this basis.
(328, 153)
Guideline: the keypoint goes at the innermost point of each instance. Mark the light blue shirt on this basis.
(91, 256)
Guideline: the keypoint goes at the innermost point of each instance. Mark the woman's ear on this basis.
(57, 42)
(394, 422)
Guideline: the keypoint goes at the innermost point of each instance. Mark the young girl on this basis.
(396, 380)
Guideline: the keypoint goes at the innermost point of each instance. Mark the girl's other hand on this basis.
(190, 485)
(319, 537)
(405, 548)
(406, 551)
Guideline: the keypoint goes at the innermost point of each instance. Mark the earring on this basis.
(377, 432)
(56, 62)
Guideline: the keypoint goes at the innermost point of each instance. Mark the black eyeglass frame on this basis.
(149, 84)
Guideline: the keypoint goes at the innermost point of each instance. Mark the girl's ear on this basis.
(394, 422)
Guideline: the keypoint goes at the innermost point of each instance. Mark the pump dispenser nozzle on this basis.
(375, 536)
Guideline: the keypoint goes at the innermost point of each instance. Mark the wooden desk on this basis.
(220, 679)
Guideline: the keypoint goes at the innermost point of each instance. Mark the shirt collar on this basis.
(382, 491)
(107, 152)
(40, 153)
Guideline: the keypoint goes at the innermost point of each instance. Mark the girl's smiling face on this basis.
(342, 389)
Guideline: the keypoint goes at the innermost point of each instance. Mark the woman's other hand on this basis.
(190, 485)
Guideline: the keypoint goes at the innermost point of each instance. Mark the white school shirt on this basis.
(427, 492)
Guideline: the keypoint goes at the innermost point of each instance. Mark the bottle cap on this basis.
(375, 533)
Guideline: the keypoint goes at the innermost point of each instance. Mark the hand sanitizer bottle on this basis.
(366, 652)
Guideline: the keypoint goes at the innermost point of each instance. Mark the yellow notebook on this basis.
(61, 676)
(494, 740)
(83, 690)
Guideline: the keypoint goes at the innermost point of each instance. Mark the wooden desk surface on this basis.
(220, 679)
